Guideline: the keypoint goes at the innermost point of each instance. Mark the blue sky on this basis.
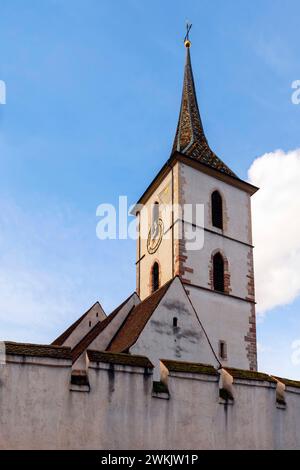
(93, 95)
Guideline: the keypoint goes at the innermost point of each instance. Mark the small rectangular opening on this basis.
(223, 349)
(175, 322)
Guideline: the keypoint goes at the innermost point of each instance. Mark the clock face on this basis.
(155, 237)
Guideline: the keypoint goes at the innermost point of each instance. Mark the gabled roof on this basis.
(190, 139)
(95, 331)
(135, 322)
(65, 335)
(37, 350)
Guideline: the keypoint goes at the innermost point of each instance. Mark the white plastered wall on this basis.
(160, 339)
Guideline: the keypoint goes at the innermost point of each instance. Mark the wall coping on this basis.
(119, 359)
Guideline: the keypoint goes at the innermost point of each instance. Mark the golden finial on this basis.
(187, 41)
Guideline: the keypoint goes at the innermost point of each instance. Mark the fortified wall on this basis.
(116, 404)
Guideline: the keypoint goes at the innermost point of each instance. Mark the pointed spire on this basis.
(190, 139)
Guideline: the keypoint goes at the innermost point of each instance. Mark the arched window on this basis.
(155, 277)
(217, 209)
(218, 271)
(155, 218)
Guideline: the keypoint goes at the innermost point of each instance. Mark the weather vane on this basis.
(187, 41)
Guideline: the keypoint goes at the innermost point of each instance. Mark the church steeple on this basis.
(190, 139)
(209, 250)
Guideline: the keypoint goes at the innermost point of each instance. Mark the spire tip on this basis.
(187, 41)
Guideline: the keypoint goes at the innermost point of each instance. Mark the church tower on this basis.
(208, 201)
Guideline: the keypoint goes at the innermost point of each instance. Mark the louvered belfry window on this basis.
(155, 277)
(218, 266)
(217, 209)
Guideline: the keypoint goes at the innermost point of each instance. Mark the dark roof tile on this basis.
(95, 331)
(190, 138)
(120, 359)
(189, 367)
(249, 375)
(65, 335)
(288, 382)
(37, 350)
(135, 322)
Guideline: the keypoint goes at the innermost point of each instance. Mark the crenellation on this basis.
(202, 386)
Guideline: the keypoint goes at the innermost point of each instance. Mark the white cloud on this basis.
(276, 227)
(279, 358)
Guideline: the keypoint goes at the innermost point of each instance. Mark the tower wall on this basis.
(228, 317)
(165, 193)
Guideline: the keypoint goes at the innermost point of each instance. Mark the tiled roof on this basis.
(190, 139)
(95, 331)
(37, 350)
(120, 359)
(62, 338)
(135, 322)
(249, 375)
(189, 367)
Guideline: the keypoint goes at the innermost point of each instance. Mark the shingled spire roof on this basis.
(190, 139)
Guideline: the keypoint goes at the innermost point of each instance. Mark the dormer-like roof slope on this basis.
(135, 322)
(65, 335)
(96, 330)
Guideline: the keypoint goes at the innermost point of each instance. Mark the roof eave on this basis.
(232, 180)
(177, 156)
(154, 183)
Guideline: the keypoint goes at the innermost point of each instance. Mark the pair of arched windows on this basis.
(218, 260)
(218, 274)
(216, 210)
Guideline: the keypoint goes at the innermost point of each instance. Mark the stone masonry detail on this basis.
(181, 254)
(250, 339)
